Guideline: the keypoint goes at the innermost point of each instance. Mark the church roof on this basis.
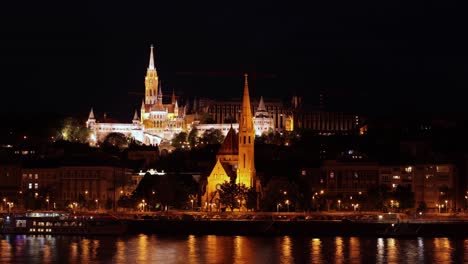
(230, 144)
(229, 170)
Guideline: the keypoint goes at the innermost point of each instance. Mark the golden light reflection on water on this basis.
(74, 252)
(339, 258)
(316, 252)
(442, 250)
(85, 247)
(286, 250)
(392, 250)
(192, 249)
(465, 251)
(230, 249)
(121, 249)
(5, 249)
(142, 245)
(239, 249)
(354, 250)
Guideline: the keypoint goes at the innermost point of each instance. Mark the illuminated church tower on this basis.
(246, 164)
(151, 81)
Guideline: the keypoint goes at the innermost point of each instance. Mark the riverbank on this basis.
(299, 227)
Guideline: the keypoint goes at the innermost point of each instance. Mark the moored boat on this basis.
(61, 223)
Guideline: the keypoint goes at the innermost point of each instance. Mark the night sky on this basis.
(365, 56)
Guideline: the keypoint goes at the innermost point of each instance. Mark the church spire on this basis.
(261, 105)
(160, 96)
(173, 98)
(151, 80)
(135, 116)
(246, 117)
(91, 114)
(246, 166)
(151, 62)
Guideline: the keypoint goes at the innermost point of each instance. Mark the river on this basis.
(229, 249)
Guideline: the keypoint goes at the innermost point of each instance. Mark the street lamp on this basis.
(287, 203)
(191, 200)
(47, 200)
(277, 207)
(446, 206)
(97, 204)
(339, 205)
(238, 201)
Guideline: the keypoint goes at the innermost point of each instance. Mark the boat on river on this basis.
(61, 223)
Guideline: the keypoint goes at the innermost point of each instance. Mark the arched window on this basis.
(244, 139)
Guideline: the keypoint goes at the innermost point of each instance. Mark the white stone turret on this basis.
(91, 120)
(136, 119)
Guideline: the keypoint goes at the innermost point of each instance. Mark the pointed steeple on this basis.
(151, 62)
(173, 98)
(135, 116)
(142, 104)
(261, 105)
(246, 116)
(246, 166)
(160, 96)
(91, 114)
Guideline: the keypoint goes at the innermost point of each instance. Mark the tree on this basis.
(404, 196)
(251, 199)
(179, 140)
(118, 140)
(230, 194)
(193, 137)
(422, 207)
(74, 130)
(213, 136)
(377, 197)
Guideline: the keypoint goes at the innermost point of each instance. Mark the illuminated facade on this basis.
(246, 164)
(235, 158)
(158, 121)
(263, 123)
(224, 111)
(428, 182)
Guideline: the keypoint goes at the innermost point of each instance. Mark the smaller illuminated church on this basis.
(235, 158)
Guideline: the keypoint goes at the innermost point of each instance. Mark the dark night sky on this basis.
(368, 56)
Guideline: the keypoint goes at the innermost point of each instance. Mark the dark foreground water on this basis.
(229, 249)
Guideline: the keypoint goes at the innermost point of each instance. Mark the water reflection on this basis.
(286, 248)
(354, 250)
(339, 258)
(229, 249)
(316, 253)
(442, 250)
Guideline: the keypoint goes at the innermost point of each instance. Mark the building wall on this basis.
(426, 181)
(348, 177)
(66, 184)
(327, 122)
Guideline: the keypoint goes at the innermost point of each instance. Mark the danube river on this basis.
(229, 249)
